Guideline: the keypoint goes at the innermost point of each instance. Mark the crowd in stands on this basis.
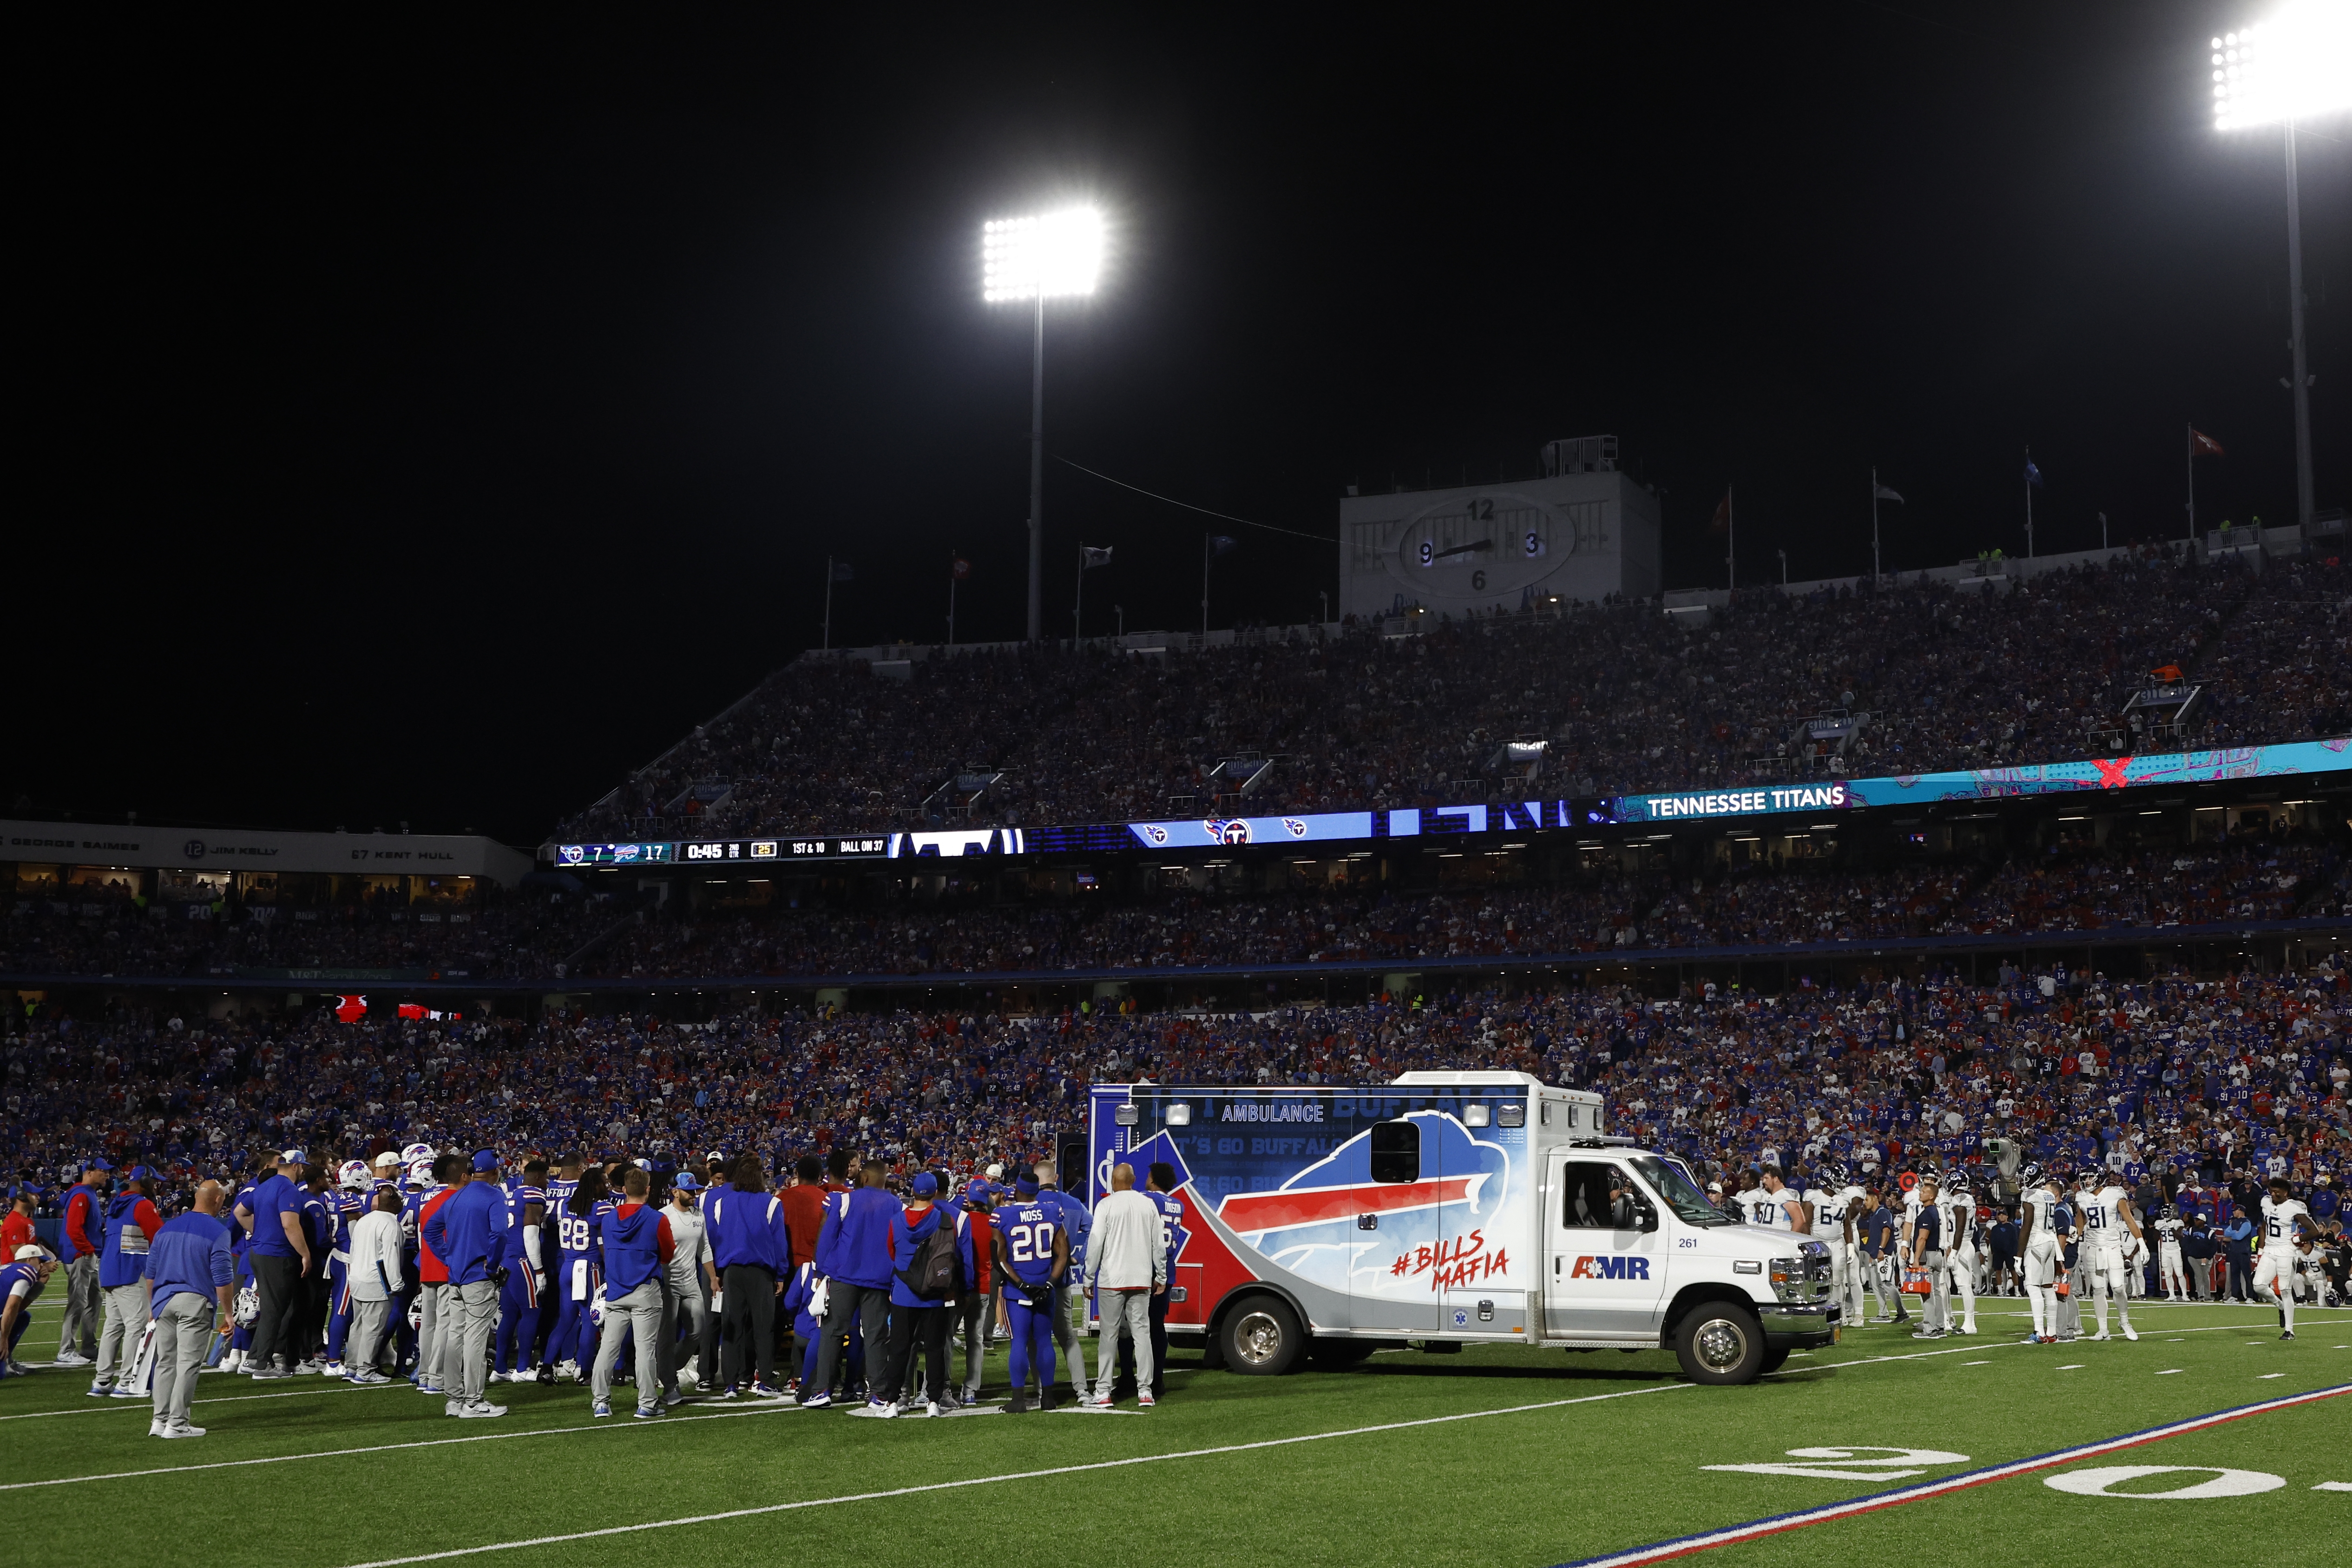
(2178, 1075)
(1951, 677)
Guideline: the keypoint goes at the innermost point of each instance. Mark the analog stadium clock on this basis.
(1488, 544)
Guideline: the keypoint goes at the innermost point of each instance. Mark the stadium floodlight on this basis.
(2296, 66)
(1049, 256)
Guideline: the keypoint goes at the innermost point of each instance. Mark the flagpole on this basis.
(1078, 612)
(2029, 503)
(1204, 589)
(828, 604)
(1732, 534)
(1874, 527)
(951, 588)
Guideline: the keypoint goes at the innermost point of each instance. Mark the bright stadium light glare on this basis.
(1050, 256)
(2296, 66)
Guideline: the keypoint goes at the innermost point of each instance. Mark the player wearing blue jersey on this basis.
(240, 1243)
(1161, 1191)
(556, 1295)
(1076, 1221)
(526, 1286)
(572, 1346)
(1033, 1259)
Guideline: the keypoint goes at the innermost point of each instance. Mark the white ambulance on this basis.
(1450, 1208)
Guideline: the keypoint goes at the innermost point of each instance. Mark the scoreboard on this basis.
(727, 852)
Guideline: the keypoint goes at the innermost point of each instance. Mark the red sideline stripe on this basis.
(1685, 1546)
(1305, 1205)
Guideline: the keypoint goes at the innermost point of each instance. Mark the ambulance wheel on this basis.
(1337, 1354)
(1261, 1337)
(1720, 1344)
(1774, 1360)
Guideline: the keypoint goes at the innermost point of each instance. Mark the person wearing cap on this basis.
(466, 1233)
(638, 1247)
(188, 1284)
(1924, 1242)
(692, 1280)
(279, 1252)
(132, 1223)
(16, 1226)
(1077, 1223)
(1126, 1265)
(915, 1316)
(751, 1248)
(975, 1310)
(22, 1280)
(376, 1280)
(85, 1237)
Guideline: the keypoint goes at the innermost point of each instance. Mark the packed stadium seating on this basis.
(1951, 677)
(2173, 1072)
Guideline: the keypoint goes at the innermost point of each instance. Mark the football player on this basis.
(1959, 1230)
(1776, 1206)
(1032, 1255)
(1834, 1221)
(2109, 1229)
(2172, 1267)
(2037, 1246)
(2283, 1220)
(556, 1309)
(526, 1287)
(344, 1206)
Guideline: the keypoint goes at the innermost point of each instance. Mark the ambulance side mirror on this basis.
(1644, 1215)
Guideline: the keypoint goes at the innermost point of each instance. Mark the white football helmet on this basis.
(355, 1176)
(420, 1172)
(415, 1152)
(248, 1307)
(596, 1307)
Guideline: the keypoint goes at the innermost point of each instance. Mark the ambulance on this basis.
(1443, 1210)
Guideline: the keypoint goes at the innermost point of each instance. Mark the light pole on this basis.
(1052, 255)
(2296, 66)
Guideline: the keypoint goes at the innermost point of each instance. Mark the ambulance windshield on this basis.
(1682, 1196)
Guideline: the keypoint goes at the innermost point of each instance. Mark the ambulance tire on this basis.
(1261, 1337)
(1338, 1355)
(1720, 1344)
(1774, 1360)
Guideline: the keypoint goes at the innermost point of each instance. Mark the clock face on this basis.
(1489, 544)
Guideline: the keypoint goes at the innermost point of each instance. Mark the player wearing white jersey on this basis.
(1834, 1222)
(2172, 1270)
(1776, 1206)
(2037, 1246)
(2109, 1228)
(2283, 1219)
(1959, 1228)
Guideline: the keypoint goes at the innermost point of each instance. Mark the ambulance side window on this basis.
(1396, 1150)
(1585, 1196)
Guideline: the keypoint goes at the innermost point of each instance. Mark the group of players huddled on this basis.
(2063, 1240)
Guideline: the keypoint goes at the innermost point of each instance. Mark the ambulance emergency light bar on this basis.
(2296, 66)
(2172, 768)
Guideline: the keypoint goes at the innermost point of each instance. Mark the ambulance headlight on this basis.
(1787, 1278)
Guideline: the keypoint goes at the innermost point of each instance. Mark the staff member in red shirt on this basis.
(433, 1276)
(804, 1203)
(17, 1227)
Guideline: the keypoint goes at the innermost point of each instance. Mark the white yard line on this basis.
(1686, 1545)
(1023, 1476)
(140, 1404)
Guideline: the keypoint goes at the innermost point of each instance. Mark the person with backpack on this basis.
(930, 1255)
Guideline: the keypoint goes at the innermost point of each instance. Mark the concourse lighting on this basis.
(1050, 256)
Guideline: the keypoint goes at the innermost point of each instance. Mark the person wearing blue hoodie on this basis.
(189, 1279)
(467, 1232)
(914, 1314)
(752, 1248)
(852, 1255)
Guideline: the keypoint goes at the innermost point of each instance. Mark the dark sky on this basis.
(431, 424)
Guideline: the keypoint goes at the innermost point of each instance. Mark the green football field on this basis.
(1509, 1455)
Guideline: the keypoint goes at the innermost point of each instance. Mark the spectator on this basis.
(853, 1258)
(1127, 1265)
(279, 1252)
(466, 1234)
(377, 1282)
(131, 1224)
(85, 1237)
(752, 1249)
(638, 1250)
(189, 1285)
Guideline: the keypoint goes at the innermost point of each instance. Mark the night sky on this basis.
(429, 424)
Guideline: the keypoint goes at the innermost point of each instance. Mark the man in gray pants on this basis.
(1923, 1243)
(192, 1281)
(1070, 1316)
(635, 1238)
(469, 1234)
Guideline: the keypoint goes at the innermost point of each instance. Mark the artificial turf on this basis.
(1499, 1469)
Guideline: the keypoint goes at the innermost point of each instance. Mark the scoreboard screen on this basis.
(739, 851)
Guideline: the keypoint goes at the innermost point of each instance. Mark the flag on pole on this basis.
(1883, 493)
(1219, 544)
(843, 571)
(2203, 445)
(962, 568)
(2033, 475)
(1089, 556)
(1722, 522)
